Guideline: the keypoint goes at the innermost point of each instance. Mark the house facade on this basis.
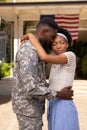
(14, 14)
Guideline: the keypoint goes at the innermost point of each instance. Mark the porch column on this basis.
(20, 27)
(16, 34)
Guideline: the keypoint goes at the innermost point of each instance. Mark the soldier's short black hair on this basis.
(47, 21)
(66, 33)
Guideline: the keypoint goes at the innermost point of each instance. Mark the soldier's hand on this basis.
(65, 93)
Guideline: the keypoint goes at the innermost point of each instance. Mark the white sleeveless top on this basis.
(62, 75)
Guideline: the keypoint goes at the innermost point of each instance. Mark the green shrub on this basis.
(4, 69)
(84, 66)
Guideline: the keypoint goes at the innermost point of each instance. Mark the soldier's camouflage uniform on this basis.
(29, 88)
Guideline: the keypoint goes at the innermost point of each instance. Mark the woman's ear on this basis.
(67, 45)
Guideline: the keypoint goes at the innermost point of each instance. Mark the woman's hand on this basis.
(25, 37)
(28, 36)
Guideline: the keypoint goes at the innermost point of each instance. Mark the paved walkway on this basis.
(8, 119)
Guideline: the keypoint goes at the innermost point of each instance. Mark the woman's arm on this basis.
(54, 59)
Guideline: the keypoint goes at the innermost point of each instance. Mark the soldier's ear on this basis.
(44, 32)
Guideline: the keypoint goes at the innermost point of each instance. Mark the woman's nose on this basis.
(58, 45)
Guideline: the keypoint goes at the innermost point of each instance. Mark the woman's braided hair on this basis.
(66, 33)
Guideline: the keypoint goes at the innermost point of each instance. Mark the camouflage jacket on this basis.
(29, 87)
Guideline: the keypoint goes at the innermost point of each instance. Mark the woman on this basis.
(62, 114)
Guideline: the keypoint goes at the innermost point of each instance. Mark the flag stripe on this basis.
(68, 18)
(67, 15)
(74, 31)
(67, 26)
(68, 22)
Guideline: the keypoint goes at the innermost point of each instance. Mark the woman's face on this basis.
(59, 45)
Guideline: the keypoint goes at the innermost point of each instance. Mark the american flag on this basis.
(67, 21)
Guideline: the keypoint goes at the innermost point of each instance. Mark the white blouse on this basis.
(62, 75)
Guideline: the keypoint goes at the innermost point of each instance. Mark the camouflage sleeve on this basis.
(28, 61)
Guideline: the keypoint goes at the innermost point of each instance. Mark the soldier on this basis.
(30, 88)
